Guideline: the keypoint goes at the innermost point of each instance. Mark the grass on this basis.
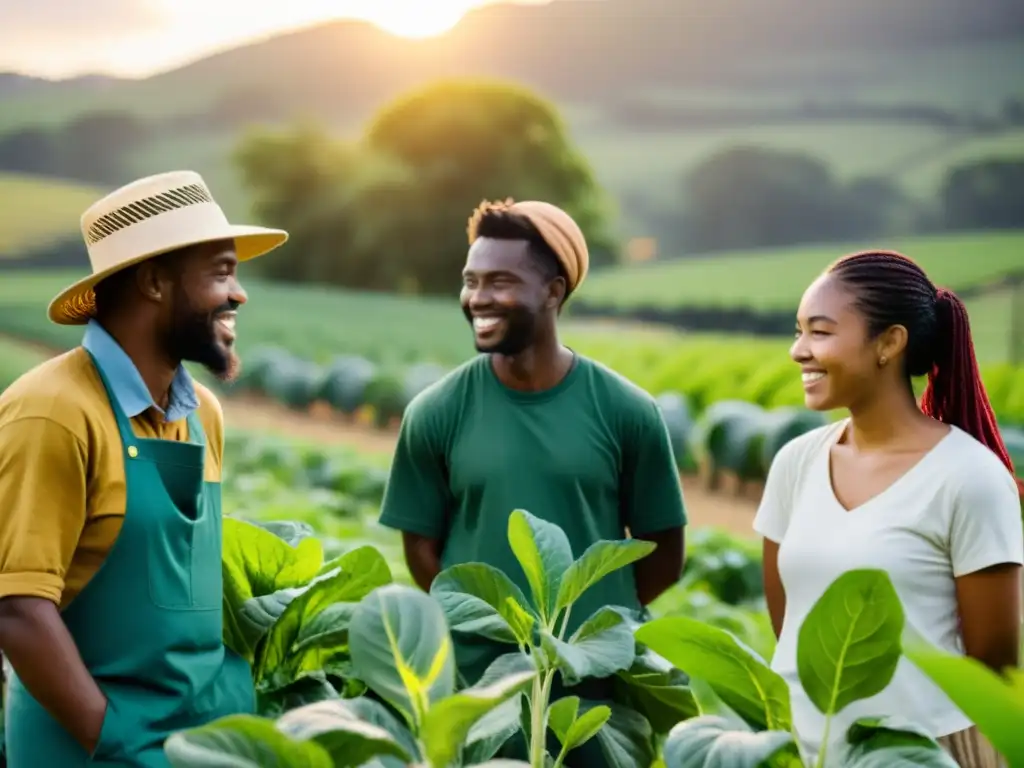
(35, 211)
(315, 323)
(776, 278)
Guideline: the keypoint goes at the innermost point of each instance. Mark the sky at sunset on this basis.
(62, 38)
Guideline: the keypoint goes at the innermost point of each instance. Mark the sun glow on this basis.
(178, 31)
(426, 18)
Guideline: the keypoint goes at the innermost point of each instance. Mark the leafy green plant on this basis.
(993, 702)
(848, 648)
(478, 599)
(402, 650)
(287, 612)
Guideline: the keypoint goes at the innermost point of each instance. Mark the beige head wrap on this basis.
(558, 229)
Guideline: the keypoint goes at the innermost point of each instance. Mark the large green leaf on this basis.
(303, 641)
(242, 741)
(491, 731)
(375, 713)
(657, 690)
(349, 741)
(743, 681)
(889, 742)
(602, 646)
(257, 615)
(600, 559)
(307, 689)
(626, 740)
(849, 643)
(479, 599)
(448, 721)
(259, 568)
(401, 648)
(994, 703)
(544, 552)
(710, 741)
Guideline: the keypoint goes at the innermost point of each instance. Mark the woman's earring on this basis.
(882, 361)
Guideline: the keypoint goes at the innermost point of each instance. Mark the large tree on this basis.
(390, 211)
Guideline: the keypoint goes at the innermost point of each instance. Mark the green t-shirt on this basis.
(591, 454)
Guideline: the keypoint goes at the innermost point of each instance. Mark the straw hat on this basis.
(144, 219)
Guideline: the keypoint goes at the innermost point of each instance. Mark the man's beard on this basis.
(193, 337)
(520, 331)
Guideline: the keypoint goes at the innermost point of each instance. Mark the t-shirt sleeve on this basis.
(42, 506)
(416, 498)
(652, 493)
(775, 508)
(986, 527)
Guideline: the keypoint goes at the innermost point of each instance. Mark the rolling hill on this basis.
(36, 211)
(648, 87)
(596, 51)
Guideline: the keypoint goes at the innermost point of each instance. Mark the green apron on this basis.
(149, 623)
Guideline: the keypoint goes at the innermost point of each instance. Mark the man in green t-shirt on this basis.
(531, 424)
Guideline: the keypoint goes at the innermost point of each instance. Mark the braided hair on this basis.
(890, 289)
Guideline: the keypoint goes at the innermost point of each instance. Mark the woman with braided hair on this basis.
(925, 492)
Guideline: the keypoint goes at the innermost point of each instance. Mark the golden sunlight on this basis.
(425, 18)
(406, 18)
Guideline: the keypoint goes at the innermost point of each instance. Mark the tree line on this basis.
(388, 210)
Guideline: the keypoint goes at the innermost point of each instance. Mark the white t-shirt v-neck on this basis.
(954, 512)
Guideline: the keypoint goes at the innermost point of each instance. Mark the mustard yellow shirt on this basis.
(62, 486)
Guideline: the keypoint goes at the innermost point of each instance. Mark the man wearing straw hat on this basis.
(531, 424)
(110, 516)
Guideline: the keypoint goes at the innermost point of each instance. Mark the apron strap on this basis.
(196, 433)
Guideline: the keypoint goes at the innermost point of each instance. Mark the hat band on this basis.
(167, 232)
(145, 208)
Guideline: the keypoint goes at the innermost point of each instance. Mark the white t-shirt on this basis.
(956, 511)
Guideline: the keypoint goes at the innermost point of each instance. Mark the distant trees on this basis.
(986, 194)
(749, 197)
(389, 211)
(92, 148)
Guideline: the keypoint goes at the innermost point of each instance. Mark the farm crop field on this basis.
(730, 401)
(346, 654)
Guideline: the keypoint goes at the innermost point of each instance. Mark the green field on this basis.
(297, 333)
(776, 278)
(36, 211)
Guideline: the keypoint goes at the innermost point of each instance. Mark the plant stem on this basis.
(539, 718)
(820, 762)
(565, 622)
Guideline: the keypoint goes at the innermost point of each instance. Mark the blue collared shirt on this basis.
(126, 382)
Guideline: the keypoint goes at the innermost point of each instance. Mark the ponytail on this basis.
(955, 393)
(890, 289)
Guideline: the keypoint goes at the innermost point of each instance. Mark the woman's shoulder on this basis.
(804, 448)
(970, 468)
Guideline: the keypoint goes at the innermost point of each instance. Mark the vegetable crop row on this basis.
(352, 669)
(727, 409)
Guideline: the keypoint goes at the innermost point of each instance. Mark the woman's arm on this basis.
(986, 549)
(989, 602)
(773, 590)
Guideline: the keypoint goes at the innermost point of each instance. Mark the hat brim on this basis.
(76, 304)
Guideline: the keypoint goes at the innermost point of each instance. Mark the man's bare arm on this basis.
(36, 642)
(661, 569)
(423, 556)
